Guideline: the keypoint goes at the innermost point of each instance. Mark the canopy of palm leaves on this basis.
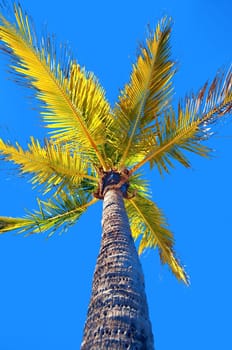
(87, 134)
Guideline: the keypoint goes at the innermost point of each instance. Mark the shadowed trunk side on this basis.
(118, 314)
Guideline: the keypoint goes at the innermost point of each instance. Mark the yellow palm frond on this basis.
(139, 185)
(59, 212)
(148, 93)
(9, 224)
(51, 165)
(147, 221)
(191, 126)
(73, 102)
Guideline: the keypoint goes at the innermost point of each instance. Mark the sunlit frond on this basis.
(148, 93)
(148, 222)
(51, 165)
(213, 103)
(190, 126)
(58, 213)
(139, 185)
(9, 224)
(73, 102)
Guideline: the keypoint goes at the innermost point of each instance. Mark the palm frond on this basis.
(73, 101)
(215, 102)
(51, 165)
(9, 224)
(148, 222)
(139, 185)
(60, 212)
(148, 93)
(192, 125)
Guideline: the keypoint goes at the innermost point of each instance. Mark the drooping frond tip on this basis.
(148, 223)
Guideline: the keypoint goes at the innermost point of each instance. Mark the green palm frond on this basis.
(148, 93)
(51, 165)
(190, 126)
(73, 102)
(60, 212)
(148, 222)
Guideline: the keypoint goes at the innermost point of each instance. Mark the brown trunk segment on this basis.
(118, 313)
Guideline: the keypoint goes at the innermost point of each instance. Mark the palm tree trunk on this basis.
(118, 314)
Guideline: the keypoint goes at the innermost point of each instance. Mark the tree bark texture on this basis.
(118, 313)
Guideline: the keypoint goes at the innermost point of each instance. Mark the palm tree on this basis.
(96, 152)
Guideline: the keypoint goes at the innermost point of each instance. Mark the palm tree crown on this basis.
(89, 139)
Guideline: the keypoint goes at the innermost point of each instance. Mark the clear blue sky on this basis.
(46, 284)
